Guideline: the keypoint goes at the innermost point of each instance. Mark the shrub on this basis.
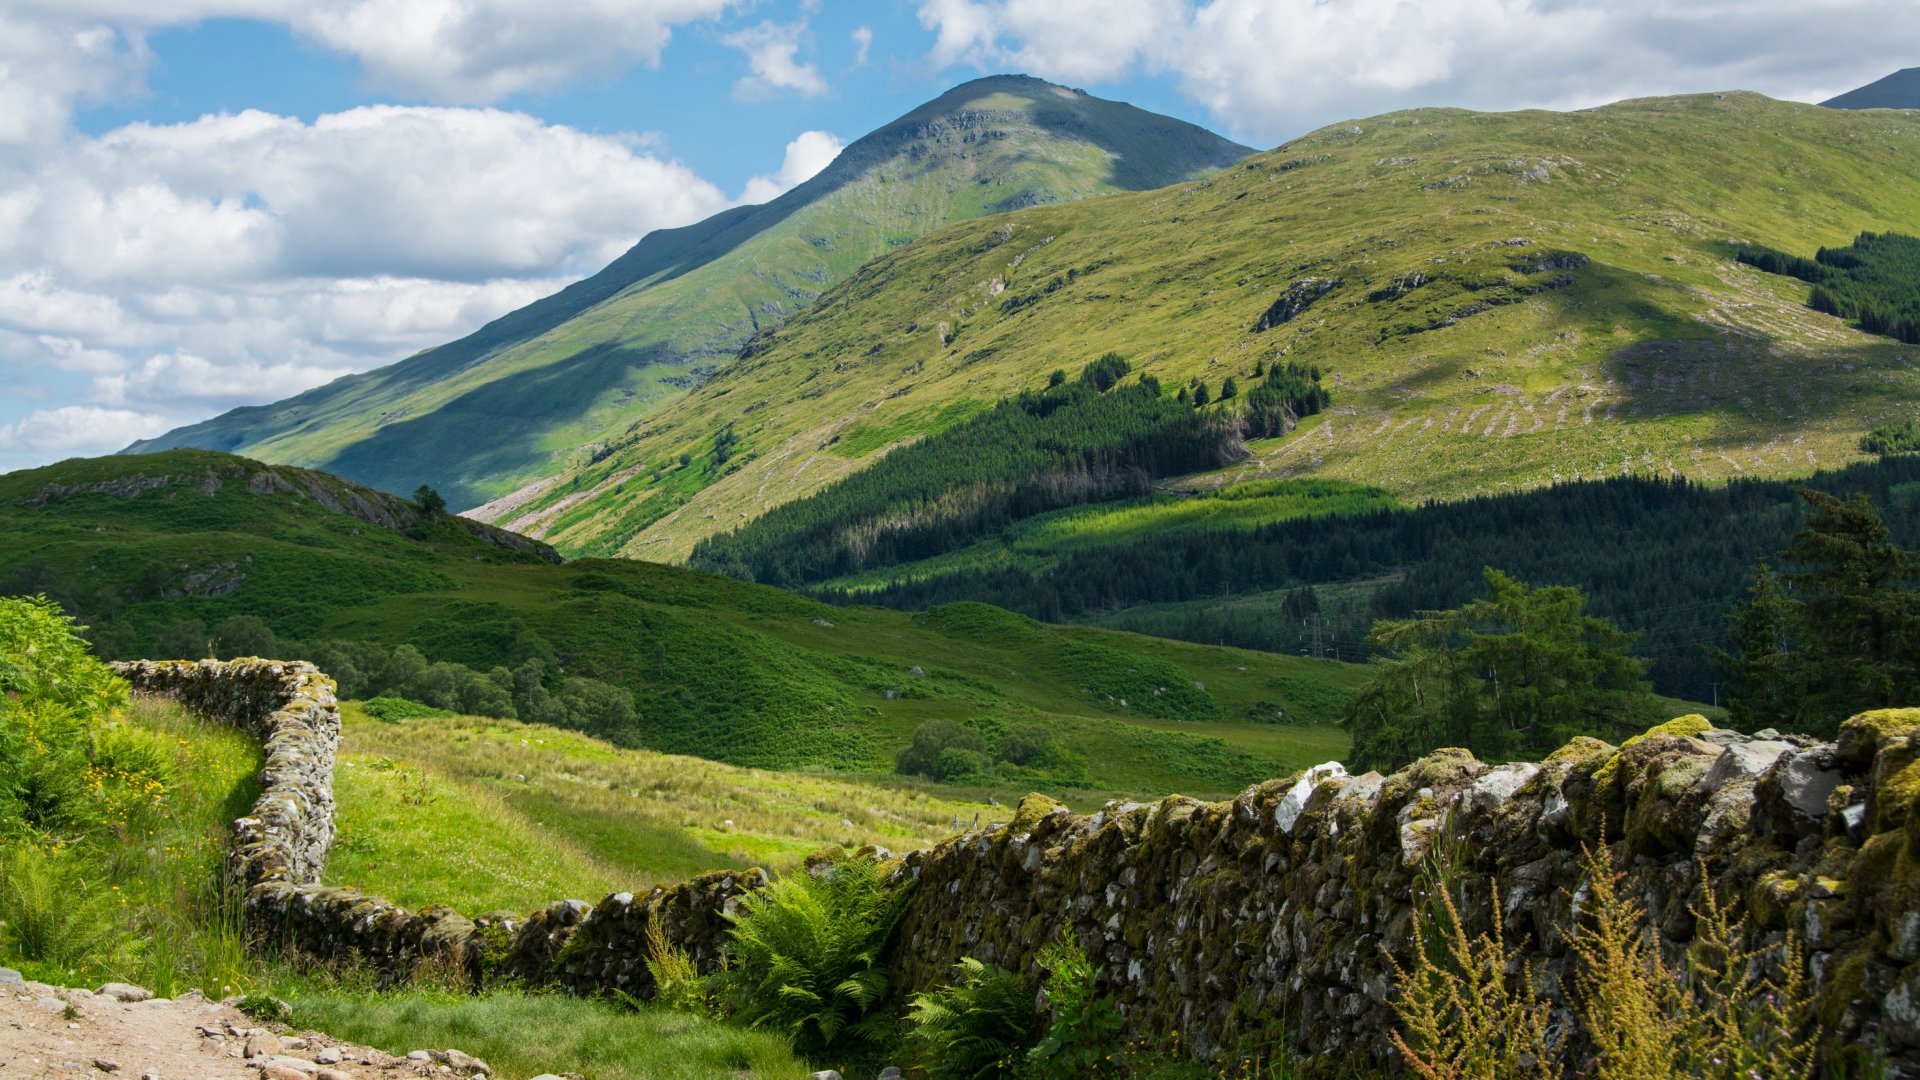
(677, 983)
(1645, 1019)
(1080, 1041)
(807, 954)
(1027, 744)
(44, 659)
(928, 754)
(977, 1026)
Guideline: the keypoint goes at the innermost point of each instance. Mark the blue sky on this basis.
(211, 203)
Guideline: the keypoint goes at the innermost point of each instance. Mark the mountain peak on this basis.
(543, 388)
(1900, 90)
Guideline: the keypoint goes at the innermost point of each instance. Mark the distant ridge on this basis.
(546, 387)
(1900, 90)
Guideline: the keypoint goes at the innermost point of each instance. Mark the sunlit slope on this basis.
(718, 668)
(547, 385)
(1519, 298)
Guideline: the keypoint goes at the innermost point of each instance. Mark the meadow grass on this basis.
(150, 902)
(494, 814)
(521, 1035)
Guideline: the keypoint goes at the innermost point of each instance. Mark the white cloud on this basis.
(182, 269)
(1277, 68)
(462, 51)
(806, 155)
(772, 50)
(862, 44)
(73, 430)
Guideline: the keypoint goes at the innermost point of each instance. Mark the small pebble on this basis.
(106, 1066)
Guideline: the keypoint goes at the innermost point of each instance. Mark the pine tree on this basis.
(1858, 611)
(1200, 395)
(1758, 671)
(1229, 388)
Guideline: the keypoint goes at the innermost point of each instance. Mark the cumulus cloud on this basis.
(806, 155)
(772, 50)
(1276, 68)
(457, 51)
(181, 269)
(74, 430)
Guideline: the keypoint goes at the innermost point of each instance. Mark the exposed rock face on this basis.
(1215, 918)
(1298, 298)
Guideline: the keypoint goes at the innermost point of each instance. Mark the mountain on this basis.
(549, 384)
(1496, 302)
(1900, 90)
(158, 553)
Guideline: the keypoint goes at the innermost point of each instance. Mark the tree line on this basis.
(1662, 557)
(1087, 439)
(1875, 281)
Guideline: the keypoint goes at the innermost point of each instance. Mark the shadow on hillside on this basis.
(495, 428)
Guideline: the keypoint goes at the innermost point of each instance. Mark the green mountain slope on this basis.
(135, 545)
(1900, 90)
(550, 383)
(1499, 302)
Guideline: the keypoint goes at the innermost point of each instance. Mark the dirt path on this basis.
(50, 1032)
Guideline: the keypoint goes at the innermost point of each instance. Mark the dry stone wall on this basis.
(279, 849)
(1217, 920)
(1230, 921)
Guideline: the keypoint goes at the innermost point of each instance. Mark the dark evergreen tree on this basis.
(1515, 673)
(1200, 395)
(429, 501)
(1858, 613)
(1760, 687)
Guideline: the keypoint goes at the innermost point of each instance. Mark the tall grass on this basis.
(1469, 1009)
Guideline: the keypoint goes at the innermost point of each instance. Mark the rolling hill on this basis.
(1498, 301)
(550, 384)
(158, 549)
(1900, 90)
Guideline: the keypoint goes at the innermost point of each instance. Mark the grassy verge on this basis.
(141, 899)
(523, 1035)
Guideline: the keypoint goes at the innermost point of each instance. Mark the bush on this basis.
(978, 1026)
(942, 750)
(1027, 744)
(807, 954)
(44, 659)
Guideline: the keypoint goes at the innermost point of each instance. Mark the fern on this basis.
(807, 952)
(979, 1026)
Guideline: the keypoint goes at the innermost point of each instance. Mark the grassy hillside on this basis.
(564, 815)
(549, 384)
(1518, 298)
(138, 546)
(1900, 90)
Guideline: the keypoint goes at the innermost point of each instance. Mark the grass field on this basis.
(1522, 297)
(497, 815)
